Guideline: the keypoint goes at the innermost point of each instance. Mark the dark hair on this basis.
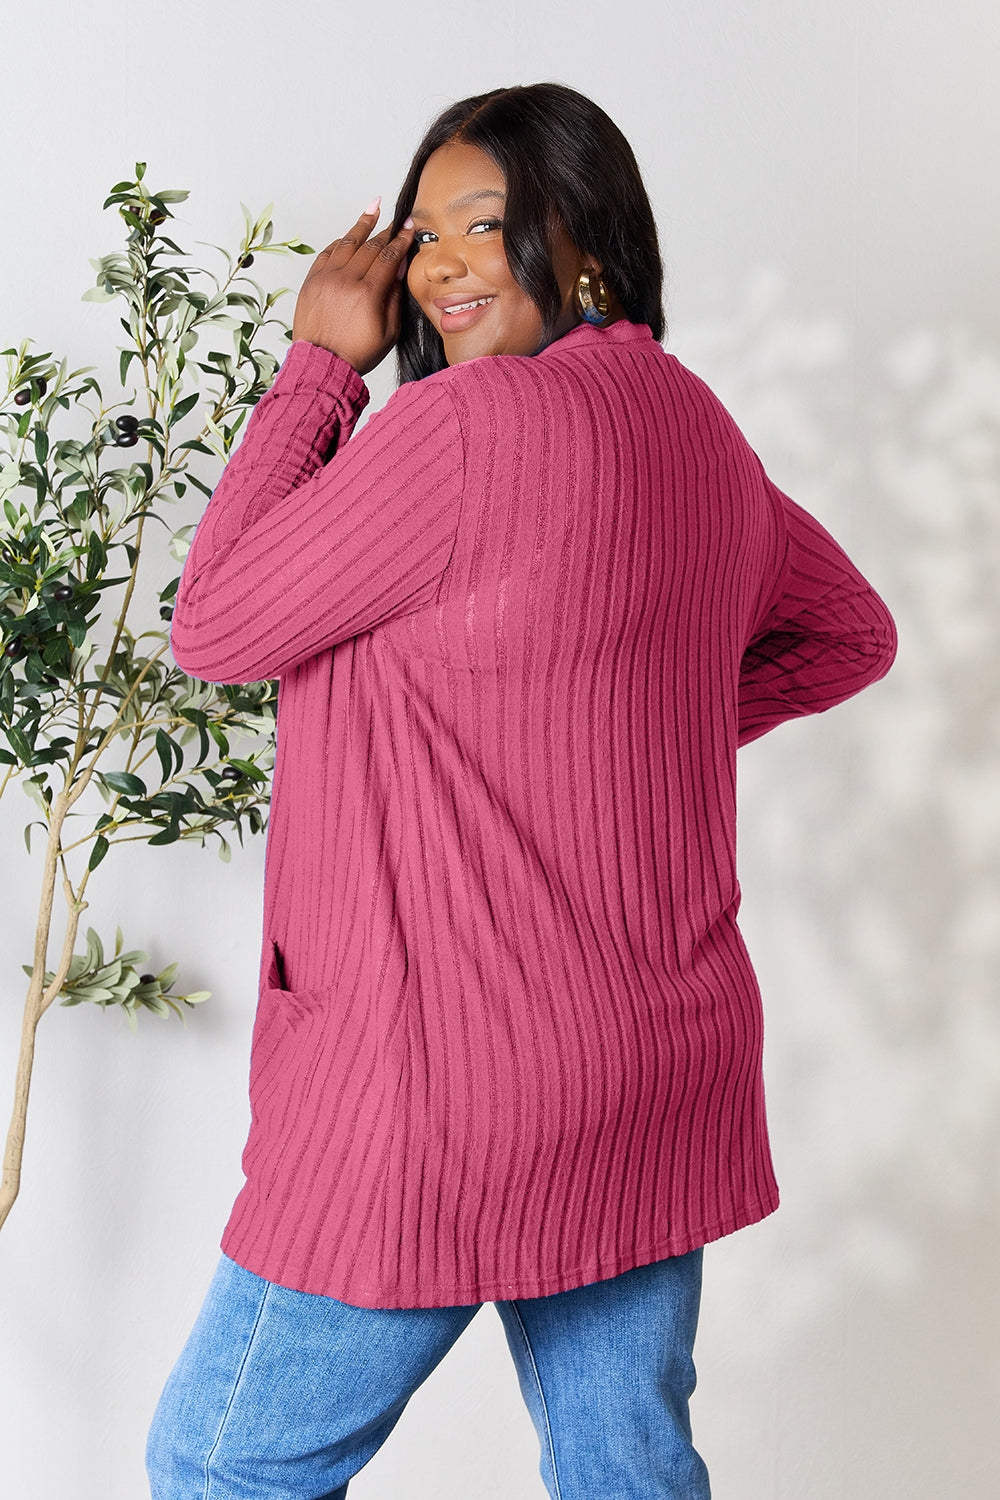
(563, 159)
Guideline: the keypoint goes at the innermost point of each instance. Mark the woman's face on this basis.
(458, 256)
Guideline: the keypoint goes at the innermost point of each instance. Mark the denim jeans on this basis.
(280, 1394)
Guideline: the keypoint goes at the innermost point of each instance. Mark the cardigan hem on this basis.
(479, 1292)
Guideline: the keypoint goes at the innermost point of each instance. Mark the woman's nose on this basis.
(442, 261)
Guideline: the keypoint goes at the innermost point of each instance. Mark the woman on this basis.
(508, 1038)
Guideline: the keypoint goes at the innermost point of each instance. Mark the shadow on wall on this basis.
(868, 861)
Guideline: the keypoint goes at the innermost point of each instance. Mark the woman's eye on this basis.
(479, 224)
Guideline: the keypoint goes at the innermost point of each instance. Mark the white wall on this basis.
(824, 177)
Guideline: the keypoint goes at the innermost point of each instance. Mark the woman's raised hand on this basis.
(349, 301)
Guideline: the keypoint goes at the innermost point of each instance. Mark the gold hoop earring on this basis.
(592, 297)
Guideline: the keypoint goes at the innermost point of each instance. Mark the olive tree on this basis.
(121, 723)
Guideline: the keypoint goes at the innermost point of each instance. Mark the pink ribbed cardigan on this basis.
(508, 1038)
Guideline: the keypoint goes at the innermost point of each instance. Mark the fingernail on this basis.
(373, 205)
(408, 223)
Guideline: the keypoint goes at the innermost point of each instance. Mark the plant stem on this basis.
(38, 1000)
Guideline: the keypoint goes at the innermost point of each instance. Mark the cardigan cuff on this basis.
(310, 367)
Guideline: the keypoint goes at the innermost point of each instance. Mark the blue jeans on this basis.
(280, 1394)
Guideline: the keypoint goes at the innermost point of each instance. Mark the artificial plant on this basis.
(74, 715)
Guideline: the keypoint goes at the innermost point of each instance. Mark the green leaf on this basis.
(199, 486)
(97, 559)
(100, 849)
(27, 839)
(98, 294)
(95, 950)
(93, 587)
(18, 743)
(183, 407)
(165, 753)
(124, 782)
(168, 835)
(127, 355)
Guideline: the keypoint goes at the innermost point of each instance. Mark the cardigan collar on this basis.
(585, 335)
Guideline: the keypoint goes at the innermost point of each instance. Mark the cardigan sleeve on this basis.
(825, 633)
(308, 538)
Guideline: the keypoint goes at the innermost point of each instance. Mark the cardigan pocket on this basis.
(289, 1044)
(274, 974)
(277, 1003)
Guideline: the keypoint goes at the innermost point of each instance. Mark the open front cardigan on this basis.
(508, 1037)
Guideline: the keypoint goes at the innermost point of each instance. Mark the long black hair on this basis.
(563, 159)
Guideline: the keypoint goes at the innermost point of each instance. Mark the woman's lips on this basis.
(455, 322)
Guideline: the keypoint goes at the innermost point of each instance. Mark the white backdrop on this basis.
(824, 178)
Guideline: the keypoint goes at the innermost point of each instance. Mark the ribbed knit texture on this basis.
(508, 1038)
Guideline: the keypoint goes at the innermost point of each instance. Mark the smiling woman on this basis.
(516, 195)
(459, 275)
(508, 1039)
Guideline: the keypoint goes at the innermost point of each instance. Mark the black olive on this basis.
(24, 396)
(126, 440)
(64, 591)
(52, 681)
(231, 774)
(147, 978)
(247, 260)
(166, 612)
(157, 218)
(13, 648)
(126, 423)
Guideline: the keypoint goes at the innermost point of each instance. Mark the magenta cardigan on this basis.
(508, 1037)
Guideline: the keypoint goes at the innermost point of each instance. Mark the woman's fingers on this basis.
(338, 252)
(349, 301)
(358, 250)
(382, 253)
